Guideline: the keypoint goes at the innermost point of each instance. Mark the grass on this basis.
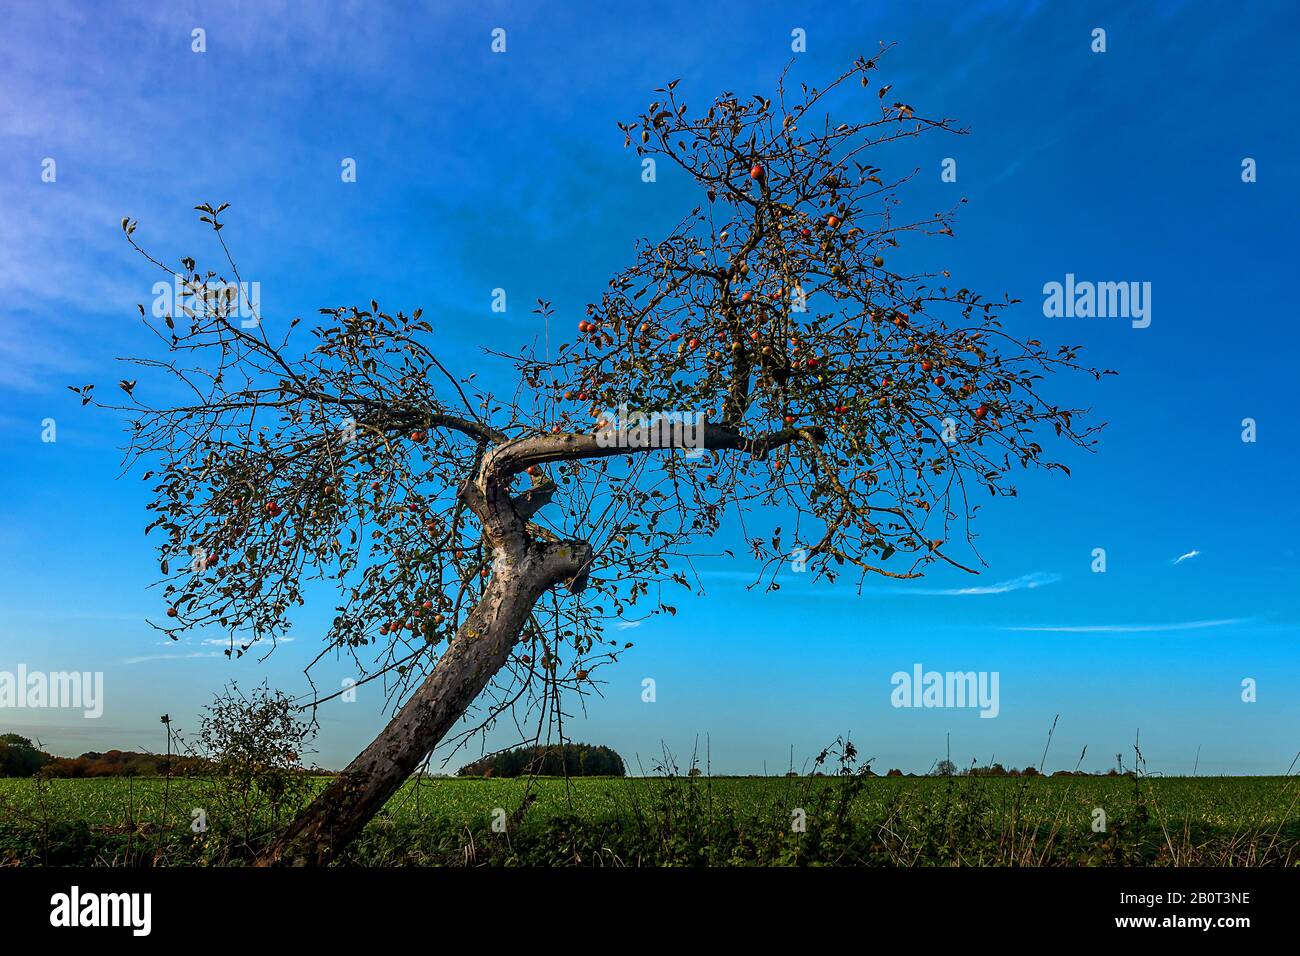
(845, 820)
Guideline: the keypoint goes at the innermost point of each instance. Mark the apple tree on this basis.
(478, 544)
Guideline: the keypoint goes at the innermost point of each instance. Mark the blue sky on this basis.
(478, 170)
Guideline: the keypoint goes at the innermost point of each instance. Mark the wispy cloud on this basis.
(627, 625)
(171, 657)
(1026, 582)
(44, 614)
(1184, 557)
(792, 582)
(226, 642)
(1134, 628)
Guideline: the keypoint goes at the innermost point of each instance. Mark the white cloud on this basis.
(137, 618)
(1134, 628)
(225, 642)
(1026, 582)
(172, 657)
(1184, 557)
(794, 583)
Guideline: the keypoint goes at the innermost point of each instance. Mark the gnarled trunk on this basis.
(481, 648)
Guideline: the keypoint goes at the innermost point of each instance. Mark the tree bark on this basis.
(481, 647)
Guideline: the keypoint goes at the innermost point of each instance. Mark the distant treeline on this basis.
(123, 763)
(19, 757)
(946, 769)
(550, 760)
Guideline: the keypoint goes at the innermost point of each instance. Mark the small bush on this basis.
(254, 746)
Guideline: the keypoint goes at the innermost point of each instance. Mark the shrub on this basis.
(254, 745)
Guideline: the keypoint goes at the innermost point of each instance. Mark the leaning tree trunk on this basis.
(481, 647)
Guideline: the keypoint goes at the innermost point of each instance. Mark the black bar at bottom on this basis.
(331, 905)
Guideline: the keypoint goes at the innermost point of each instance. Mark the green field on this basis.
(692, 821)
